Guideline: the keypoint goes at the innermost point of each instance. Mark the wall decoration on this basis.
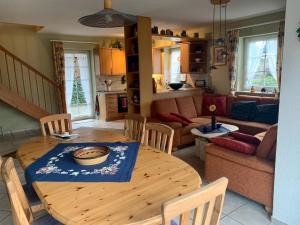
(219, 58)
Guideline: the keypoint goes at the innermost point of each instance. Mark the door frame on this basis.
(75, 50)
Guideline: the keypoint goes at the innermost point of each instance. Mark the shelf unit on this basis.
(138, 55)
(191, 51)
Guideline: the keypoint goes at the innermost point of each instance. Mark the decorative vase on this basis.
(213, 121)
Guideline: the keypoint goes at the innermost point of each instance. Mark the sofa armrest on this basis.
(249, 161)
(174, 125)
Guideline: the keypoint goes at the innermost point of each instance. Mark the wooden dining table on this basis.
(156, 178)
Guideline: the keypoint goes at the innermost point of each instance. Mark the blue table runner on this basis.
(58, 164)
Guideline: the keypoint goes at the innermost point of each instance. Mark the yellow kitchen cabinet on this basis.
(112, 61)
(118, 62)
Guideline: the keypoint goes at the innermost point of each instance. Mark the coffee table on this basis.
(202, 138)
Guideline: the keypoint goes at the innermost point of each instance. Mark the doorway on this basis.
(79, 98)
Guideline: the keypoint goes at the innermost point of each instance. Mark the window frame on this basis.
(241, 82)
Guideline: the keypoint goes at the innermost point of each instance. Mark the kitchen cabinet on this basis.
(193, 57)
(112, 61)
(118, 62)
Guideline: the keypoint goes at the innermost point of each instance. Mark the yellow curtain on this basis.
(59, 69)
(233, 43)
(280, 52)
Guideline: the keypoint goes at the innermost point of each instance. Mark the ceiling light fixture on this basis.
(108, 18)
(221, 40)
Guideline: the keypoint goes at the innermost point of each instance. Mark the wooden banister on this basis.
(28, 66)
(23, 80)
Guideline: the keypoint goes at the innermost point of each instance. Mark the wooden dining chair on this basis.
(207, 202)
(29, 200)
(22, 215)
(134, 126)
(57, 123)
(159, 136)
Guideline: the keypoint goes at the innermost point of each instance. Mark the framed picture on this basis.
(219, 59)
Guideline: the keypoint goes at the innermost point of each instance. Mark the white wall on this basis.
(287, 171)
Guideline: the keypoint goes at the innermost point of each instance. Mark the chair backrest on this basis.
(134, 126)
(57, 123)
(10, 174)
(18, 212)
(159, 136)
(207, 202)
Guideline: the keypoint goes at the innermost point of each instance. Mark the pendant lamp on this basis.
(108, 18)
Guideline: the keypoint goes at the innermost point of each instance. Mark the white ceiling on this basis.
(60, 16)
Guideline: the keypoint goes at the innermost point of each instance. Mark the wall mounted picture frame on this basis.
(219, 59)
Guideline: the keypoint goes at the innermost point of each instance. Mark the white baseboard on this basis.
(277, 222)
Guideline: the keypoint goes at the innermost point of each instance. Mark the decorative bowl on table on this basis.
(92, 155)
(175, 86)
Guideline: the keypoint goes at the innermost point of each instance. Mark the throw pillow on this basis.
(245, 138)
(235, 145)
(182, 117)
(243, 110)
(171, 118)
(267, 113)
(219, 101)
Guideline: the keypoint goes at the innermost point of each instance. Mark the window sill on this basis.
(262, 94)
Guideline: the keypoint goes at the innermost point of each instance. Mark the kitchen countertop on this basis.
(180, 90)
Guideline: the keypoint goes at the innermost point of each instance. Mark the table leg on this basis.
(199, 151)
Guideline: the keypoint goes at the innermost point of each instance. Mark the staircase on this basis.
(26, 89)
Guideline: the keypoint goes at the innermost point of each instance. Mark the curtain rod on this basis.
(79, 42)
(255, 25)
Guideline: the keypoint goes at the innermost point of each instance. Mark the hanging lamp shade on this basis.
(108, 18)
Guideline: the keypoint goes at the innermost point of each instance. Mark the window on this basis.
(174, 63)
(260, 59)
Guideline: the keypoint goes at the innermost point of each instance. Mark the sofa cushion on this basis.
(272, 154)
(261, 135)
(248, 127)
(171, 118)
(243, 110)
(186, 130)
(267, 113)
(268, 100)
(196, 123)
(249, 161)
(230, 100)
(245, 138)
(219, 101)
(201, 120)
(198, 104)
(186, 107)
(267, 143)
(182, 117)
(163, 106)
(234, 145)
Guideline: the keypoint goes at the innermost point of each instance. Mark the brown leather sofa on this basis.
(249, 175)
(191, 107)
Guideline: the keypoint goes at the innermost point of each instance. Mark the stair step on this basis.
(13, 99)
